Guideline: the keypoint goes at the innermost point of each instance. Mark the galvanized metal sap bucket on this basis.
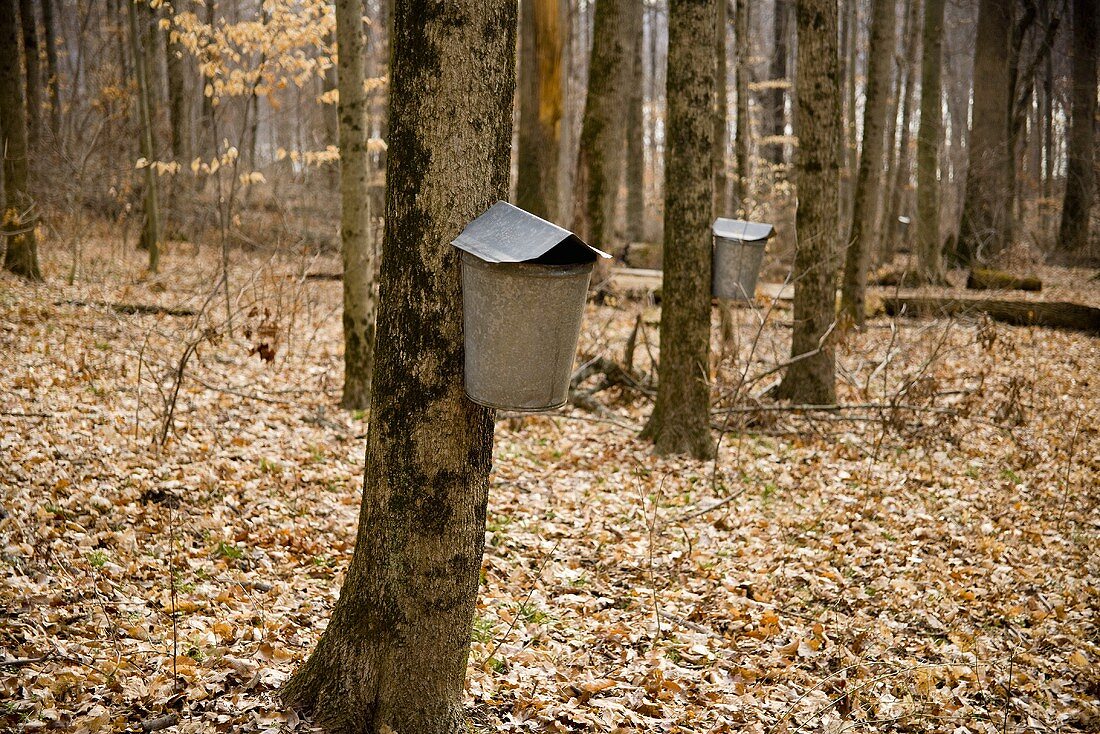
(524, 286)
(738, 253)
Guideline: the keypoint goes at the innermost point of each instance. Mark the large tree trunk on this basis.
(150, 232)
(600, 155)
(743, 182)
(721, 114)
(53, 81)
(540, 107)
(680, 423)
(1073, 234)
(865, 198)
(818, 89)
(635, 133)
(356, 244)
(985, 229)
(34, 76)
(929, 139)
(394, 655)
(777, 113)
(18, 218)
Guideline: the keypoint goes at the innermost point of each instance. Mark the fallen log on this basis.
(1051, 314)
(131, 308)
(983, 279)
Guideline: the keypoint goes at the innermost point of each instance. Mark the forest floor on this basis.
(922, 559)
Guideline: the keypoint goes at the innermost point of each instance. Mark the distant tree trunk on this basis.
(53, 81)
(680, 423)
(179, 112)
(34, 76)
(865, 198)
(851, 139)
(208, 146)
(1046, 117)
(356, 244)
(1073, 233)
(18, 218)
(721, 114)
(743, 181)
(394, 654)
(777, 114)
(818, 89)
(150, 232)
(929, 248)
(635, 133)
(600, 155)
(897, 147)
(540, 107)
(986, 216)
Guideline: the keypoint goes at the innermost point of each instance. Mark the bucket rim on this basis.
(496, 406)
(529, 269)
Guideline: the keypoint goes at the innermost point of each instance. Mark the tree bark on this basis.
(777, 113)
(540, 107)
(53, 81)
(865, 198)
(680, 423)
(150, 232)
(818, 89)
(393, 657)
(179, 113)
(34, 76)
(851, 140)
(986, 216)
(18, 218)
(721, 114)
(929, 248)
(899, 190)
(600, 155)
(743, 180)
(635, 133)
(1073, 233)
(356, 243)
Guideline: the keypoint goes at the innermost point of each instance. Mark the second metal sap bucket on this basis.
(524, 286)
(738, 253)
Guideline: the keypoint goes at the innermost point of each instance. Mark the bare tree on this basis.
(393, 657)
(18, 217)
(540, 107)
(743, 180)
(777, 98)
(868, 178)
(680, 423)
(810, 378)
(1073, 233)
(929, 139)
(721, 113)
(150, 232)
(34, 75)
(356, 243)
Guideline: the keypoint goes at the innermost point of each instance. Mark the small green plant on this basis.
(316, 455)
(1011, 476)
(97, 558)
(228, 550)
(359, 415)
(769, 490)
(269, 467)
(483, 630)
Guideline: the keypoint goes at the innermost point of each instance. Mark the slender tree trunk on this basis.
(18, 217)
(330, 119)
(743, 181)
(635, 132)
(540, 107)
(929, 249)
(53, 81)
(208, 145)
(818, 89)
(1046, 116)
(34, 76)
(356, 244)
(899, 191)
(777, 113)
(851, 138)
(393, 657)
(150, 233)
(986, 216)
(896, 135)
(865, 198)
(600, 156)
(680, 423)
(179, 113)
(1073, 233)
(721, 114)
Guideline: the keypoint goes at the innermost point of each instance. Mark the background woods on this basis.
(861, 497)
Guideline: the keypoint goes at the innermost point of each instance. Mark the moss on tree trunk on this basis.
(680, 423)
(811, 378)
(393, 657)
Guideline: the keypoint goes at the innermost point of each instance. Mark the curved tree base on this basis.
(672, 437)
(809, 382)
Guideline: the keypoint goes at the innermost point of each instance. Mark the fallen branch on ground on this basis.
(130, 308)
(1051, 314)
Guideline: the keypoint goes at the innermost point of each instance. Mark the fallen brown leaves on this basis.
(923, 561)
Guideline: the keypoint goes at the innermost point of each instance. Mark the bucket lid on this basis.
(508, 234)
(739, 229)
